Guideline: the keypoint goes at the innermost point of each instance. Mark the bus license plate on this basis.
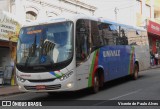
(40, 87)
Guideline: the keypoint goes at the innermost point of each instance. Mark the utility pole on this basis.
(76, 6)
(115, 10)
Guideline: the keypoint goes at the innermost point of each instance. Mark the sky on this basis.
(106, 9)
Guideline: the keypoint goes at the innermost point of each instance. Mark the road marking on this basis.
(126, 94)
(118, 97)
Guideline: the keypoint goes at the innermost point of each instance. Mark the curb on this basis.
(9, 90)
(154, 67)
(9, 94)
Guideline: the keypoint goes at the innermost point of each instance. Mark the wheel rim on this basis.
(96, 84)
(136, 73)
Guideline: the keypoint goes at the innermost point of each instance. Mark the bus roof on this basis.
(75, 17)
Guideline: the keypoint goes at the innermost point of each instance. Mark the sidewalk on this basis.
(155, 66)
(9, 90)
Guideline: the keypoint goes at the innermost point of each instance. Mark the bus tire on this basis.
(51, 93)
(135, 72)
(101, 79)
(96, 84)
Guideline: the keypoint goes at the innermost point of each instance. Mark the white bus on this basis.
(76, 52)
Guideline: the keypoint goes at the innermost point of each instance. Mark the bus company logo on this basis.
(111, 53)
(25, 75)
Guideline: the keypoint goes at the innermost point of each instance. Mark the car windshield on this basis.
(45, 45)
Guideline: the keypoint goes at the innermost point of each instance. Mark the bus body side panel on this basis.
(82, 75)
(117, 61)
(142, 56)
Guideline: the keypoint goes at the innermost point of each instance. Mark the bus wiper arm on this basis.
(26, 63)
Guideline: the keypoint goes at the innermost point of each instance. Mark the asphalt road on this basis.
(147, 87)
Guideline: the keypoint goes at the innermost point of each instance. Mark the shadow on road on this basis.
(119, 81)
(85, 92)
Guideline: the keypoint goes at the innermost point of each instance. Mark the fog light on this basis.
(19, 87)
(20, 79)
(69, 85)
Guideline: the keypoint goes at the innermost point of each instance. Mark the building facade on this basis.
(141, 13)
(148, 17)
(27, 11)
(153, 26)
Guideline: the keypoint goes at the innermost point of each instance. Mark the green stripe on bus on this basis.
(91, 70)
(58, 76)
(131, 60)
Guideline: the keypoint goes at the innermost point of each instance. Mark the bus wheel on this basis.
(96, 84)
(52, 93)
(135, 74)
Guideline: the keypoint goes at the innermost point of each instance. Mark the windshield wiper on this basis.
(31, 50)
(26, 63)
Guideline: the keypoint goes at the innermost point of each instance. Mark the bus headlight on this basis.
(69, 85)
(20, 79)
(67, 75)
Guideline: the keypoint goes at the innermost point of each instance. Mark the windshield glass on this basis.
(43, 46)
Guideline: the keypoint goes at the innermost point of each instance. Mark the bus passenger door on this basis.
(82, 53)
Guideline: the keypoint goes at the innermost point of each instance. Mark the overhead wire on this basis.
(119, 7)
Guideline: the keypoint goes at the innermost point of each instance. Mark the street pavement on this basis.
(147, 87)
(9, 90)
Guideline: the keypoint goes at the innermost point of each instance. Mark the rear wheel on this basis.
(96, 84)
(135, 73)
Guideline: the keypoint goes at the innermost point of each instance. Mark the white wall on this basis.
(45, 8)
(4, 5)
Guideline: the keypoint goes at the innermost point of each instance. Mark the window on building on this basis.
(139, 6)
(51, 14)
(13, 9)
(148, 11)
(30, 15)
(155, 15)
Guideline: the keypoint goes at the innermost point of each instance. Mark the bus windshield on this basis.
(42, 47)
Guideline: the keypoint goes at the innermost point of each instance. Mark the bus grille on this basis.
(45, 80)
(49, 87)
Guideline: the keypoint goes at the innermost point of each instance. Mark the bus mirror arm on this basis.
(95, 48)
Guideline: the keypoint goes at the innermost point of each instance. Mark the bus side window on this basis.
(123, 36)
(109, 34)
(82, 40)
(138, 37)
(97, 38)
